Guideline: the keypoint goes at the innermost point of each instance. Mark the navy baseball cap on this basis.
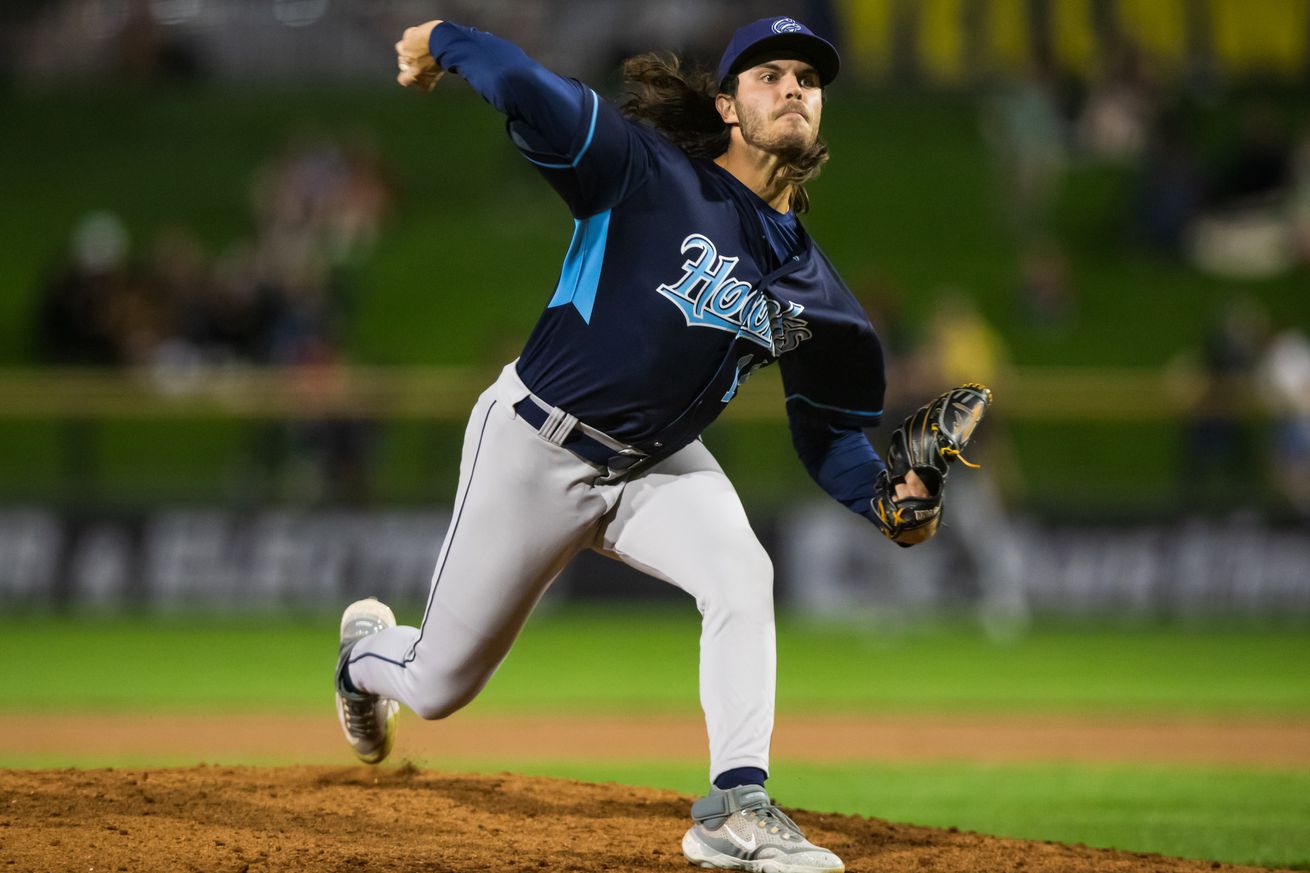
(779, 36)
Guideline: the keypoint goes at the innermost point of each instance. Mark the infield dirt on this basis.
(323, 818)
(131, 738)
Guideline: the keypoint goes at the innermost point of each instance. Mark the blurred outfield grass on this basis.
(568, 659)
(908, 206)
(623, 660)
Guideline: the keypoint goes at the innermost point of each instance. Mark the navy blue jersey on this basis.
(679, 281)
(781, 229)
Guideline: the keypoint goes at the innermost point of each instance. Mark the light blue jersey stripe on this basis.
(815, 403)
(549, 166)
(591, 133)
(580, 275)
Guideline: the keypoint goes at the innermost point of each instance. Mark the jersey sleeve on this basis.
(580, 143)
(840, 459)
(837, 376)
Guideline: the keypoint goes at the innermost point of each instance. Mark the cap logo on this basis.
(787, 25)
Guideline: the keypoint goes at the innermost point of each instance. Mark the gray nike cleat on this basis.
(369, 721)
(741, 829)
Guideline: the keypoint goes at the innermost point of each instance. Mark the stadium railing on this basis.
(447, 393)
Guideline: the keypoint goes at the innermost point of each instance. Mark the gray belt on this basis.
(557, 426)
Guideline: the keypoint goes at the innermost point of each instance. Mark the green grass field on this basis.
(569, 660)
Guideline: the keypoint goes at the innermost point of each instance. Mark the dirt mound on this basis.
(320, 818)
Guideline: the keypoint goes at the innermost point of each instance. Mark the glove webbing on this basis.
(951, 453)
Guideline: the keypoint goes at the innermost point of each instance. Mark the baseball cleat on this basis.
(741, 829)
(368, 721)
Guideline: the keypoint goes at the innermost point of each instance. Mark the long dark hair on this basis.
(679, 103)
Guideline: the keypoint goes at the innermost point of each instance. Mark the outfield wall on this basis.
(829, 562)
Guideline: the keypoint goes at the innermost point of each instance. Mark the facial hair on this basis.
(787, 144)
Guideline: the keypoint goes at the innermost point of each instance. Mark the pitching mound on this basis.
(320, 818)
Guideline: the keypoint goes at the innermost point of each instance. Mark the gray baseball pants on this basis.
(524, 508)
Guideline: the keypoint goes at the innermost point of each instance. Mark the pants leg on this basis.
(682, 522)
(523, 508)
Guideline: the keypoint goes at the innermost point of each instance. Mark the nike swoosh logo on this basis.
(741, 844)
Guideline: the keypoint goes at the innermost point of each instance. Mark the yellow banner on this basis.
(1261, 36)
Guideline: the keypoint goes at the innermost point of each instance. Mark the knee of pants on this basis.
(444, 695)
(740, 586)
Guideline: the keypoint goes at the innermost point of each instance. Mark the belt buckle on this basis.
(620, 464)
(625, 458)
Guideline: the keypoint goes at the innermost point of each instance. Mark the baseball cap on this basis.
(779, 33)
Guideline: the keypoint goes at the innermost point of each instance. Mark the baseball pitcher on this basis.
(687, 272)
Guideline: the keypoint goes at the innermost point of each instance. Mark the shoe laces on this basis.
(774, 821)
(361, 715)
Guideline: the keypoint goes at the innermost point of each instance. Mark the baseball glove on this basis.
(927, 442)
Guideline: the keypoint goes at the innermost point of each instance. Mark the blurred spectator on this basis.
(1218, 454)
(234, 317)
(76, 321)
(145, 50)
(1299, 207)
(178, 268)
(366, 199)
(306, 188)
(1171, 187)
(279, 299)
(1115, 123)
(318, 209)
(1028, 134)
(339, 448)
(1284, 373)
(1244, 230)
(960, 346)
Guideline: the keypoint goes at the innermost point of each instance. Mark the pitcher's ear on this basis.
(727, 107)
